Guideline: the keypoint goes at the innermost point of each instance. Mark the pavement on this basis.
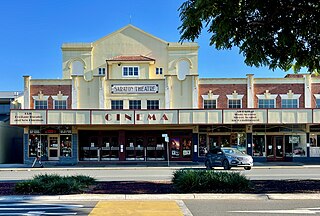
(173, 165)
(144, 164)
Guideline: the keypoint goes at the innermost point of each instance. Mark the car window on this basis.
(231, 151)
(215, 150)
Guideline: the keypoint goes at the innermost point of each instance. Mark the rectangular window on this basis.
(158, 70)
(102, 71)
(234, 103)
(152, 104)
(117, 104)
(266, 103)
(41, 104)
(60, 104)
(317, 103)
(210, 104)
(289, 103)
(134, 104)
(130, 71)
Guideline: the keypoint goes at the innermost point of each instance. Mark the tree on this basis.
(281, 34)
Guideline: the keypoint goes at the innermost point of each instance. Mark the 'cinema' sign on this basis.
(134, 117)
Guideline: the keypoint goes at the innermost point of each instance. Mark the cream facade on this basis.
(131, 96)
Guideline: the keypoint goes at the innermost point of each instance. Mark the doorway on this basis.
(53, 141)
(275, 148)
(135, 149)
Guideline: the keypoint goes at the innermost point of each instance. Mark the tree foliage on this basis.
(281, 34)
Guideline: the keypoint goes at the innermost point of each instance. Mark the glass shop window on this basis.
(65, 146)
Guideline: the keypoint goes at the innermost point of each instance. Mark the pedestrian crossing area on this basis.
(135, 208)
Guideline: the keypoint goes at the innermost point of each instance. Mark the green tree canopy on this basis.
(281, 34)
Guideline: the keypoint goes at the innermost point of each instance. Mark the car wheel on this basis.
(208, 166)
(226, 165)
(247, 168)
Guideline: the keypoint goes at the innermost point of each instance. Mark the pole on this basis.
(168, 153)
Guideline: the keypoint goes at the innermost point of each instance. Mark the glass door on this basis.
(135, 148)
(53, 147)
(275, 148)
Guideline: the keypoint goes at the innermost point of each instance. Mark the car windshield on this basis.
(231, 151)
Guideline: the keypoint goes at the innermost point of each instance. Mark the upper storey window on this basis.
(290, 100)
(130, 71)
(210, 100)
(40, 101)
(77, 67)
(317, 100)
(41, 104)
(267, 100)
(159, 71)
(234, 103)
(235, 100)
(266, 103)
(102, 71)
(289, 103)
(60, 101)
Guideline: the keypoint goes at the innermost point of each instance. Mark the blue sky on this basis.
(32, 32)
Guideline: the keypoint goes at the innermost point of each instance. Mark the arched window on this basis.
(183, 69)
(77, 68)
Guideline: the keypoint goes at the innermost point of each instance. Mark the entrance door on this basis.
(53, 141)
(135, 148)
(275, 148)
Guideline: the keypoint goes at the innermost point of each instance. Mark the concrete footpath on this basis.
(193, 196)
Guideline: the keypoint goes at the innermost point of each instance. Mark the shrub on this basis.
(54, 184)
(204, 181)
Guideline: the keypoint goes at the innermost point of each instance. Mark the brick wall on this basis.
(223, 90)
(50, 90)
(279, 89)
(315, 89)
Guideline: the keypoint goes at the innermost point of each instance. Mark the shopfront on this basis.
(128, 145)
(223, 136)
(49, 142)
(279, 142)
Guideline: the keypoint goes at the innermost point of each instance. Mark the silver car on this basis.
(227, 157)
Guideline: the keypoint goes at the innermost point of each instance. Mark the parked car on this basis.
(227, 157)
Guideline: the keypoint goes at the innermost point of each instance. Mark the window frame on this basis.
(204, 104)
(153, 106)
(128, 71)
(39, 107)
(133, 106)
(159, 70)
(117, 106)
(58, 101)
(102, 71)
(234, 99)
(289, 99)
(264, 106)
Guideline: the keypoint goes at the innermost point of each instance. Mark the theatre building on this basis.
(131, 96)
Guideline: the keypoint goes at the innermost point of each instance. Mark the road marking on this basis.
(285, 211)
(141, 208)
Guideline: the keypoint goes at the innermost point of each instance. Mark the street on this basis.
(162, 207)
(158, 173)
(253, 207)
(221, 205)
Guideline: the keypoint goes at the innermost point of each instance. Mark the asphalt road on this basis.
(157, 173)
(253, 207)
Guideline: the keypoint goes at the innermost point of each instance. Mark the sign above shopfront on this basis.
(28, 117)
(246, 116)
(164, 117)
(134, 89)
